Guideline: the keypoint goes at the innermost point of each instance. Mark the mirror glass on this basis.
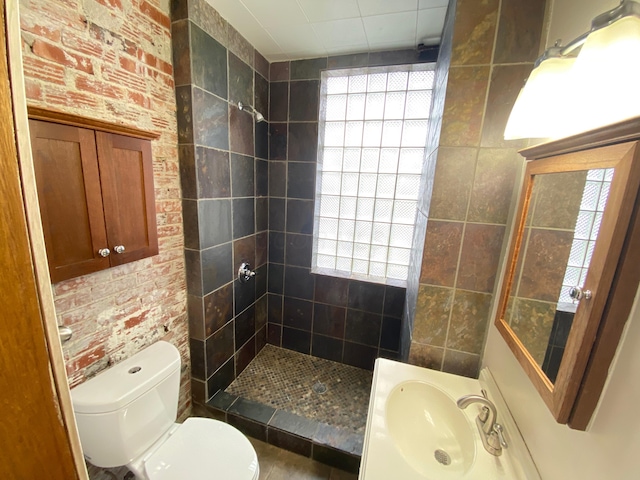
(558, 239)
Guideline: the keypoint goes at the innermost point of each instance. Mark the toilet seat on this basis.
(203, 448)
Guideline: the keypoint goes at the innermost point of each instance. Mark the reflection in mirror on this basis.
(560, 231)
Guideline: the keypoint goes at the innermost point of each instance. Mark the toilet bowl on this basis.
(126, 416)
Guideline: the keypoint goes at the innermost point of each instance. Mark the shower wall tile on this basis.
(274, 334)
(303, 142)
(506, 83)
(327, 347)
(262, 140)
(240, 81)
(366, 296)
(279, 71)
(240, 46)
(276, 247)
(478, 272)
(218, 212)
(346, 61)
(244, 355)
(181, 52)
(277, 141)
(242, 174)
(308, 69)
(433, 310)
(208, 62)
(329, 320)
(298, 282)
(210, 120)
(363, 327)
(276, 278)
(196, 348)
(279, 101)
(495, 179)
(243, 217)
(262, 179)
(207, 18)
(188, 179)
(452, 183)
(361, 356)
(394, 299)
(468, 321)
(195, 313)
(300, 216)
(241, 131)
(262, 214)
(190, 224)
(441, 252)
(244, 251)
(461, 363)
(298, 250)
(216, 267)
(277, 179)
(219, 348)
(218, 309)
(464, 109)
(184, 114)
(333, 291)
(297, 313)
(520, 31)
(214, 222)
(297, 340)
(261, 95)
(303, 101)
(221, 378)
(277, 215)
(474, 32)
(262, 240)
(301, 180)
(261, 64)
(390, 334)
(245, 326)
(244, 296)
(213, 173)
(426, 356)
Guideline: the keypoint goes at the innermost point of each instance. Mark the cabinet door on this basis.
(68, 182)
(126, 173)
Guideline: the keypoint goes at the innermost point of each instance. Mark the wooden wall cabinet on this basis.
(568, 213)
(96, 194)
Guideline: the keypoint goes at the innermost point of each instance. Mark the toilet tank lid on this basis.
(124, 382)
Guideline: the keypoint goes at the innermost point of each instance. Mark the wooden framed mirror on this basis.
(573, 226)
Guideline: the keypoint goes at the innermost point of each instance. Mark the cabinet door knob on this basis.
(104, 252)
(119, 248)
(578, 293)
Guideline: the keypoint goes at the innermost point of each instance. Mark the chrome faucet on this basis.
(490, 431)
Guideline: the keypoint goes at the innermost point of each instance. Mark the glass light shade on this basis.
(541, 106)
(607, 73)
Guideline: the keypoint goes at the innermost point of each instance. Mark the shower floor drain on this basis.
(319, 388)
(442, 457)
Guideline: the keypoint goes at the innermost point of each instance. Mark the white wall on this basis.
(571, 18)
(610, 449)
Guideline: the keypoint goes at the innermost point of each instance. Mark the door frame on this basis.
(59, 381)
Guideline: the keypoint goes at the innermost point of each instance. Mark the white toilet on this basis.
(126, 416)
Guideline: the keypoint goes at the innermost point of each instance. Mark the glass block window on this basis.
(594, 199)
(372, 136)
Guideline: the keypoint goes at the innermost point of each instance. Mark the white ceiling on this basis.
(294, 29)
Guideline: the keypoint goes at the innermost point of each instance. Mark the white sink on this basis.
(430, 431)
(415, 431)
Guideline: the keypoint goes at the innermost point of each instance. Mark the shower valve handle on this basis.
(245, 273)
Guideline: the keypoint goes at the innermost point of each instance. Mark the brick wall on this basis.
(111, 60)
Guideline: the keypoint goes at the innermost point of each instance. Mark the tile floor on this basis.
(275, 464)
(285, 380)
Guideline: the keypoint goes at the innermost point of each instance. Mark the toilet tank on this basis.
(122, 411)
